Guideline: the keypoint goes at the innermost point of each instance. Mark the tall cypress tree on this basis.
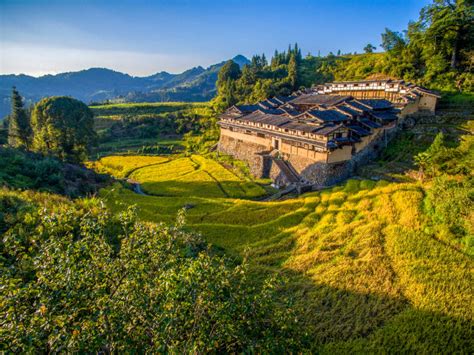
(293, 72)
(19, 128)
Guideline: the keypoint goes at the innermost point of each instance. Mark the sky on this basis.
(142, 37)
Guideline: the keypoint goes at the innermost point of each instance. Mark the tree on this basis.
(392, 41)
(293, 72)
(422, 160)
(19, 128)
(369, 48)
(230, 70)
(297, 53)
(77, 278)
(63, 127)
(227, 77)
(431, 160)
(449, 27)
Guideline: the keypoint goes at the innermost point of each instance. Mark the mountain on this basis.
(99, 84)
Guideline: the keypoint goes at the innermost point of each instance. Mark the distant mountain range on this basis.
(100, 84)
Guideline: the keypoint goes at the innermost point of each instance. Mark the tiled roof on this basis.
(298, 126)
(328, 129)
(290, 111)
(283, 99)
(247, 108)
(328, 115)
(274, 101)
(316, 99)
(370, 124)
(348, 110)
(376, 104)
(356, 105)
(272, 111)
(359, 130)
(258, 117)
(266, 104)
(427, 92)
(385, 116)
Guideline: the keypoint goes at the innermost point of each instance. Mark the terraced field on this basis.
(193, 176)
(123, 166)
(365, 272)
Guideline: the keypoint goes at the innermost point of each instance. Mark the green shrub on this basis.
(24, 170)
(79, 279)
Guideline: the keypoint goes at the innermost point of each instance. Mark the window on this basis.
(247, 131)
(231, 129)
(260, 135)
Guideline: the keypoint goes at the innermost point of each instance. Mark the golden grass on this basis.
(121, 166)
(193, 176)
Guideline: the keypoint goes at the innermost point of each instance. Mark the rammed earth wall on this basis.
(321, 174)
(318, 173)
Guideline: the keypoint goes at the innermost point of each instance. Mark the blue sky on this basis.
(143, 37)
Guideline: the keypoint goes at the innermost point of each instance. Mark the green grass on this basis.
(151, 128)
(133, 145)
(145, 109)
(106, 115)
(457, 101)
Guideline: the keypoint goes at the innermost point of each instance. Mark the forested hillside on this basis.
(436, 51)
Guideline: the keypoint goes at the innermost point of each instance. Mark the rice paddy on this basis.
(363, 272)
(122, 166)
(193, 176)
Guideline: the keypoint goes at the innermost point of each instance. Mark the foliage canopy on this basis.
(63, 127)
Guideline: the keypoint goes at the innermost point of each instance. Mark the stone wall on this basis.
(252, 153)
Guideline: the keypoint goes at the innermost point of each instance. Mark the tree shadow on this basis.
(334, 320)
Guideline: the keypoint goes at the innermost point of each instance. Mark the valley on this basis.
(292, 202)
